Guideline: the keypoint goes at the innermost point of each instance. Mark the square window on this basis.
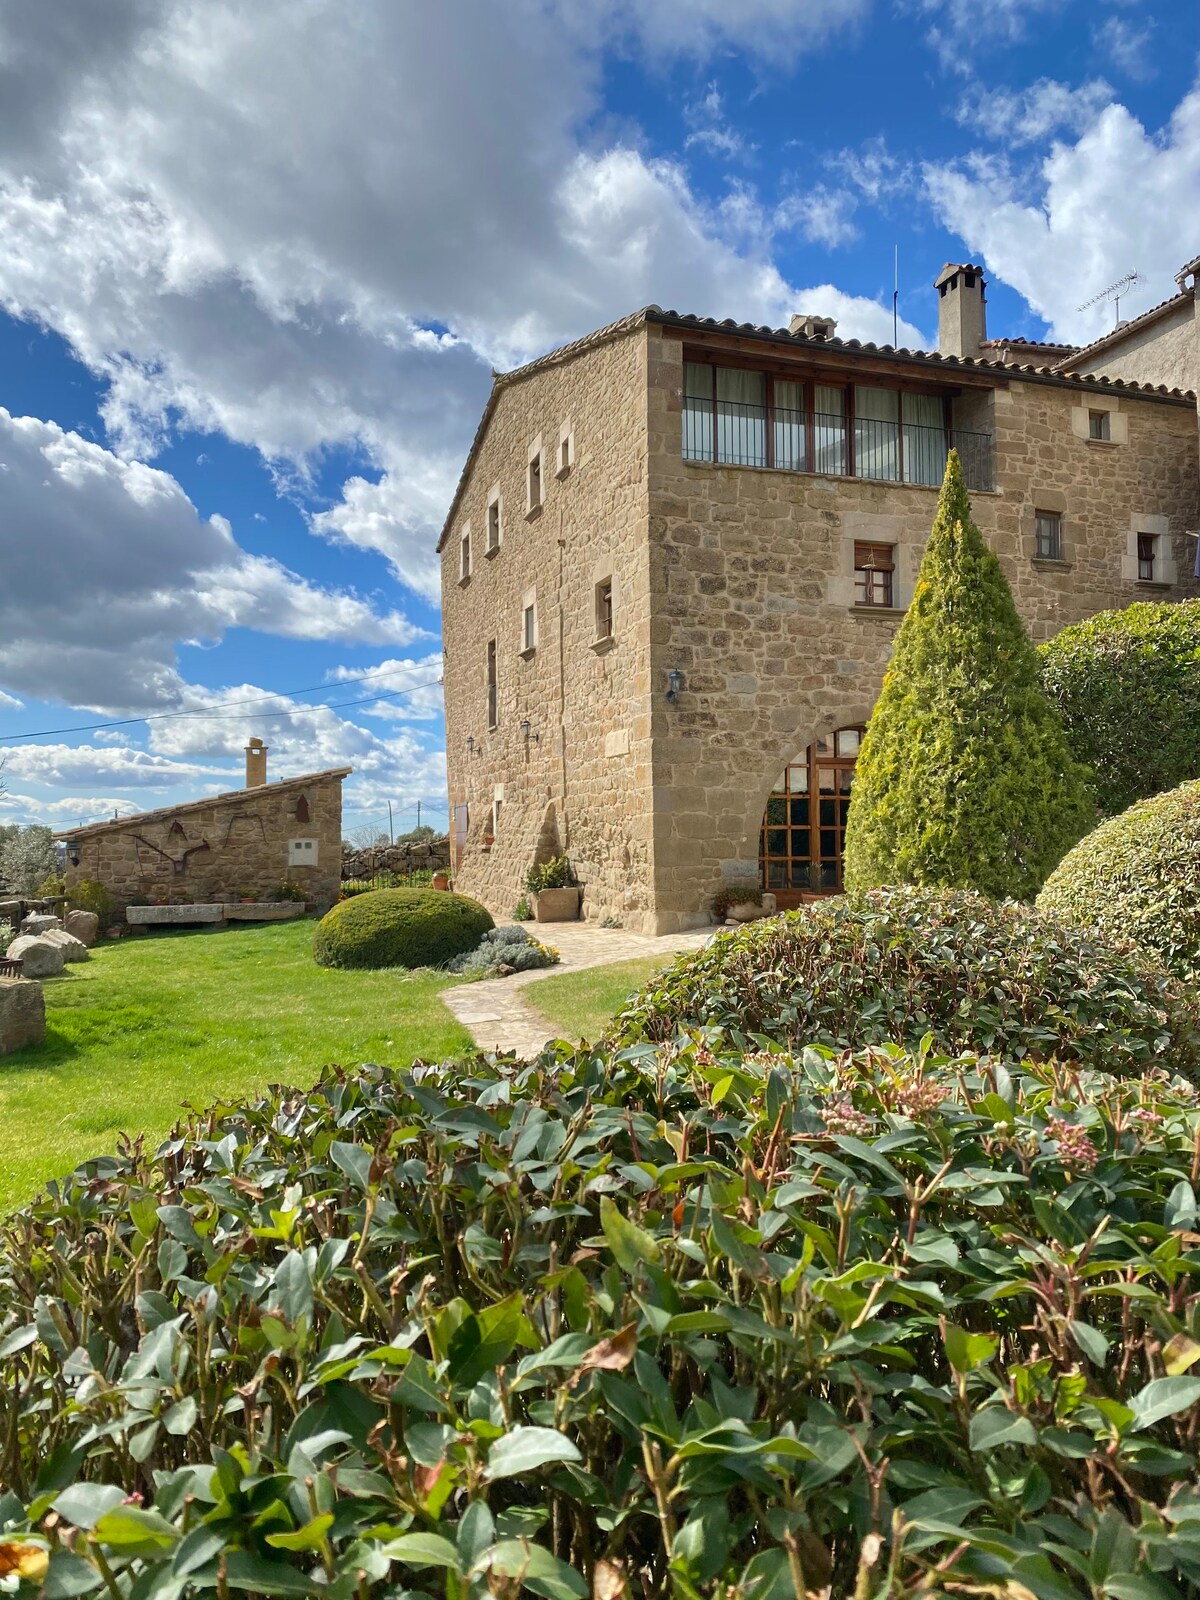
(604, 609)
(1147, 551)
(874, 566)
(1099, 426)
(1047, 540)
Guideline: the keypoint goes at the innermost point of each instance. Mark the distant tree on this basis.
(416, 835)
(27, 858)
(365, 838)
(965, 779)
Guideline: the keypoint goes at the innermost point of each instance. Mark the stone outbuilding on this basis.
(247, 842)
(680, 549)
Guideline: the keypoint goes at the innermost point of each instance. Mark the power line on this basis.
(199, 711)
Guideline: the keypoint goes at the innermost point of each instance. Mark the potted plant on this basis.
(555, 898)
(738, 902)
(441, 880)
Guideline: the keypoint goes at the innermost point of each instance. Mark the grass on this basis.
(149, 1024)
(580, 1005)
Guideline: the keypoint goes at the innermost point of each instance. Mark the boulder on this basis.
(73, 949)
(38, 957)
(39, 922)
(22, 1014)
(85, 925)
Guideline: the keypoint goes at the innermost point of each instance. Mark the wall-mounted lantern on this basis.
(674, 685)
(527, 732)
(473, 749)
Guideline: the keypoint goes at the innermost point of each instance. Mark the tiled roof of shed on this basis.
(139, 818)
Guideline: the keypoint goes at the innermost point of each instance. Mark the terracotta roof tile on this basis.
(140, 818)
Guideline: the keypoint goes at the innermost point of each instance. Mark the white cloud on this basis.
(11, 701)
(119, 546)
(64, 766)
(1127, 45)
(284, 225)
(1028, 116)
(1119, 197)
(824, 216)
(872, 169)
(960, 29)
(413, 688)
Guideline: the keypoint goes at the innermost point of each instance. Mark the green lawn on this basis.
(579, 1005)
(149, 1024)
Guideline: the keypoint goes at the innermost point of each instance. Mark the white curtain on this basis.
(741, 417)
(924, 438)
(790, 435)
(697, 411)
(829, 428)
(876, 413)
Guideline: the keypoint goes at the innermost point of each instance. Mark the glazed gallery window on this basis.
(804, 826)
(1047, 538)
(738, 417)
(874, 568)
(492, 716)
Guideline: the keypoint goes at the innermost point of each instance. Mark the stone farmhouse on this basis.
(680, 549)
(248, 841)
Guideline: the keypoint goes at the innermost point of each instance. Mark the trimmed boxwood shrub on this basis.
(1127, 684)
(400, 928)
(902, 963)
(669, 1323)
(1137, 877)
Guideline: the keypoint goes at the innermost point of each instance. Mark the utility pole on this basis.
(418, 814)
(391, 834)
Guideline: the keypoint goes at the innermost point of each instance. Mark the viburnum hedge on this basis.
(1127, 685)
(901, 963)
(657, 1323)
(1137, 877)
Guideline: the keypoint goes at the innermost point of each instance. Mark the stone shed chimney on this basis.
(256, 764)
(962, 310)
(812, 327)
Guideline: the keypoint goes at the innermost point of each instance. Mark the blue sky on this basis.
(259, 261)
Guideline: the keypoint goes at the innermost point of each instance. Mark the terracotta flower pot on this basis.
(441, 880)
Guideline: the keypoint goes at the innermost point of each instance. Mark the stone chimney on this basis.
(256, 764)
(813, 327)
(962, 310)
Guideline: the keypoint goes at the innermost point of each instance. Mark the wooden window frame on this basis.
(1147, 557)
(1102, 434)
(867, 560)
(464, 555)
(493, 686)
(604, 610)
(494, 524)
(809, 381)
(1056, 551)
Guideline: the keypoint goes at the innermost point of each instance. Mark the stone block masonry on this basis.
(22, 1014)
(248, 841)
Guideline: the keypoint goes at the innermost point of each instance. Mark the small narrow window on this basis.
(491, 684)
(464, 556)
(566, 451)
(535, 481)
(564, 456)
(604, 609)
(494, 530)
(303, 814)
(874, 567)
(1047, 541)
(1147, 551)
(529, 627)
(1098, 425)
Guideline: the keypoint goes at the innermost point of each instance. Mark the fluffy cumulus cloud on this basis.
(309, 233)
(123, 548)
(1030, 115)
(1119, 196)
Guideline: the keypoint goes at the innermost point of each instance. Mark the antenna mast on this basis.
(1123, 286)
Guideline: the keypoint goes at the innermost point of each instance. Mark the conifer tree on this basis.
(965, 778)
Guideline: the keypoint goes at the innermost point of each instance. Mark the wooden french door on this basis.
(804, 825)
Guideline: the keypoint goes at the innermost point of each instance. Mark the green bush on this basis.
(1137, 878)
(88, 895)
(903, 963)
(1127, 685)
(965, 778)
(399, 928)
(735, 894)
(664, 1324)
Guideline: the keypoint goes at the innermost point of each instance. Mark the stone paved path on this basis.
(495, 1011)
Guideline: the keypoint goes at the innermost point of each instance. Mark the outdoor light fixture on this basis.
(527, 732)
(674, 684)
(73, 857)
(473, 749)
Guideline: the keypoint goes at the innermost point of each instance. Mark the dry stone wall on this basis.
(221, 848)
(752, 594)
(580, 781)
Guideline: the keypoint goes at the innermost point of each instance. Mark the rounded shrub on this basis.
(400, 928)
(1137, 877)
(664, 1323)
(1127, 685)
(902, 963)
(511, 949)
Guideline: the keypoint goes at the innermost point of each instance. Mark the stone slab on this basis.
(264, 911)
(172, 916)
(22, 1014)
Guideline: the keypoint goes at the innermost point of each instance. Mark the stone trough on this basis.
(216, 912)
(264, 911)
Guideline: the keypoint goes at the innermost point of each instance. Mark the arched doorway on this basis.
(804, 825)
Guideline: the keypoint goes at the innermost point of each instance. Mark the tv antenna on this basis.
(1123, 286)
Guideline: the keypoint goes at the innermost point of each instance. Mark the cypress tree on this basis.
(965, 778)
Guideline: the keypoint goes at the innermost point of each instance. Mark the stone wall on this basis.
(220, 848)
(1166, 351)
(752, 595)
(581, 781)
(426, 855)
